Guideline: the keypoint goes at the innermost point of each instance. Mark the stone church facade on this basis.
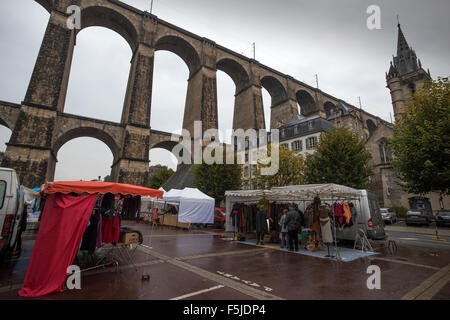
(404, 77)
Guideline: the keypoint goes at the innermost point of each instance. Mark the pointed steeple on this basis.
(402, 45)
(406, 59)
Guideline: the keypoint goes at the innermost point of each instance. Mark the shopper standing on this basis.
(292, 223)
(284, 230)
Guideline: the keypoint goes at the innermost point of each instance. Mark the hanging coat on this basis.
(347, 213)
(309, 217)
(339, 213)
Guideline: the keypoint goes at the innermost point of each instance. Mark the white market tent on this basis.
(326, 191)
(295, 193)
(194, 205)
(292, 194)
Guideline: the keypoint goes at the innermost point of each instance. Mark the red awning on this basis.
(99, 187)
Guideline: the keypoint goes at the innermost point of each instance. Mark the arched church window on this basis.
(385, 152)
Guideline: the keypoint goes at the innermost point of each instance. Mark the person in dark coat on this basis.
(261, 224)
(293, 224)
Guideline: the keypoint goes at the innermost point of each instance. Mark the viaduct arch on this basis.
(40, 126)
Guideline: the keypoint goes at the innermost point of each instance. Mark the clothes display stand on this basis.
(362, 239)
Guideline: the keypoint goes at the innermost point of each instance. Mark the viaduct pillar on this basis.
(29, 150)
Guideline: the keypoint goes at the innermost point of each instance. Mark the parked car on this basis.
(219, 217)
(388, 215)
(11, 209)
(443, 218)
(418, 217)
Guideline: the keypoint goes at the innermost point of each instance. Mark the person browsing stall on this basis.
(292, 223)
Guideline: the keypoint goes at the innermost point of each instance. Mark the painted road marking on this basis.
(404, 262)
(247, 290)
(250, 283)
(197, 293)
(427, 289)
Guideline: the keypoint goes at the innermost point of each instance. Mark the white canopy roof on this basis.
(297, 192)
(173, 195)
(328, 191)
(195, 206)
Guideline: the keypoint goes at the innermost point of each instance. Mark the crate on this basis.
(129, 238)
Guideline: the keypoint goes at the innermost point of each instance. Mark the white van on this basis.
(11, 209)
(368, 218)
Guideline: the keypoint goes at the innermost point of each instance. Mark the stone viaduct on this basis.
(40, 126)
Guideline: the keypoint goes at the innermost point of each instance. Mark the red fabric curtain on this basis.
(63, 223)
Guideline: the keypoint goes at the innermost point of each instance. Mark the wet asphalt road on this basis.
(202, 265)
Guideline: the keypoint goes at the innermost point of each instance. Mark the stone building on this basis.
(301, 134)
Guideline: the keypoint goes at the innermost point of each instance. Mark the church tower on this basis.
(405, 75)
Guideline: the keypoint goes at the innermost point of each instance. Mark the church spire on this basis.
(406, 60)
(405, 75)
(402, 45)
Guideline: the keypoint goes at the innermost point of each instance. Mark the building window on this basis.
(311, 143)
(283, 133)
(311, 124)
(297, 145)
(246, 172)
(285, 146)
(385, 152)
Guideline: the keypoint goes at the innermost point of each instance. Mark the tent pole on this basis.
(338, 255)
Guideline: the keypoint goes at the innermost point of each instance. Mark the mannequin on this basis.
(325, 226)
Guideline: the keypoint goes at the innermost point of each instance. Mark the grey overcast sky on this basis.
(297, 37)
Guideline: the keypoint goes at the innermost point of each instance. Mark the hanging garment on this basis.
(325, 228)
(347, 213)
(339, 213)
(99, 230)
(110, 229)
(309, 217)
(235, 215)
(353, 212)
(89, 241)
(107, 202)
(324, 211)
(315, 227)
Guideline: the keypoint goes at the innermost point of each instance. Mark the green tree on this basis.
(160, 177)
(421, 142)
(290, 170)
(342, 158)
(215, 179)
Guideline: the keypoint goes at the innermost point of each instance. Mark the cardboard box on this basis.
(129, 238)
